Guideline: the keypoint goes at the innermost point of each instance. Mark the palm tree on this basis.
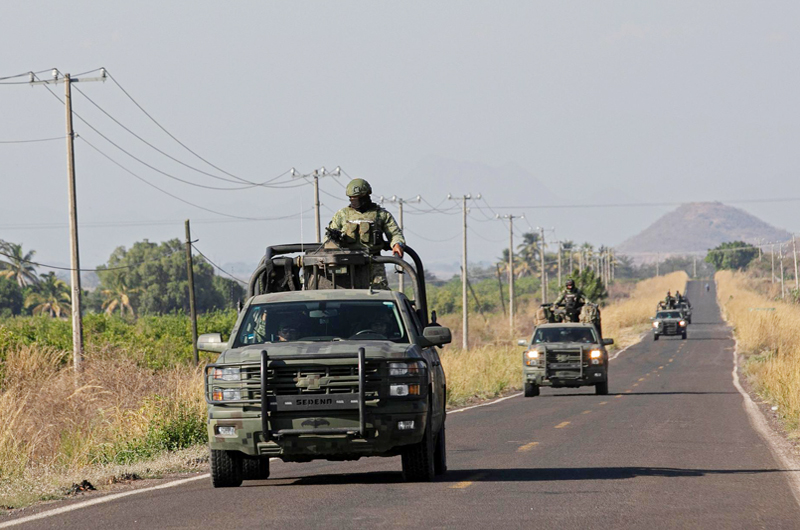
(51, 296)
(529, 250)
(17, 265)
(118, 295)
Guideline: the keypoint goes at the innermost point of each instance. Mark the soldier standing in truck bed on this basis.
(363, 225)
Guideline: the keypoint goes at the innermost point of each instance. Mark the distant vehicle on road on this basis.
(671, 322)
(565, 355)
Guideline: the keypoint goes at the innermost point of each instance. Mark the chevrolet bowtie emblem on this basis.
(310, 382)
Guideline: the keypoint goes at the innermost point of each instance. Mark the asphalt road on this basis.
(670, 447)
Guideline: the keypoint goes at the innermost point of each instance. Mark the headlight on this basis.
(412, 368)
(533, 354)
(682, 323)
(227, 374)
(655, 324)
(226, 394)
(403, 390)
(595, 354)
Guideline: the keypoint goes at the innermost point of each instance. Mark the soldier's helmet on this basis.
(570, 284)
(358, 187)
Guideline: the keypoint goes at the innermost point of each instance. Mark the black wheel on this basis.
(655, 337)
(226, 469)
(531, 390)
(255, 468)
(683, 336)
(601, 389)
(440, 458)
(419, 458)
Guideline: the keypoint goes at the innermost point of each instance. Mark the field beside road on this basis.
(767, 332)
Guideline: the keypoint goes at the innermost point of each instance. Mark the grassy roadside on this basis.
(493, 364)
(766, 332)
(132, 412)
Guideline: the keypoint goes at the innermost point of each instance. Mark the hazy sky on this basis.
(528, 103)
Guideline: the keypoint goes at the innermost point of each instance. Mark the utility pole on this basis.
(559, 264)
(542, 273)
(694, 265)
(511, 267)
(658, 261)
(571, 253)
(75, 261)
(796, 279)
(500, 289)
(192, 304)
(464, 272)
(772, 257)
(316, 174)
(400, 202)
(783, 289)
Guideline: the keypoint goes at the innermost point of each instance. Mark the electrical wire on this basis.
(218, 267)
(32, 141)
(251, 184)
(179, 198)
(483, 237)
(170, 134)
(22, 75)
(97, 269)
(429, 239)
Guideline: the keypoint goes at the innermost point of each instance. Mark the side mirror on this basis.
(522, 342)
(211, 342)
(608, 342)
(437, 335)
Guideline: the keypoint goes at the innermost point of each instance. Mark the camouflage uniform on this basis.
(365, 230)
(580, 301)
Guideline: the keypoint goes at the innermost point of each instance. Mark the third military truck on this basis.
(566, 354)
(320, 365)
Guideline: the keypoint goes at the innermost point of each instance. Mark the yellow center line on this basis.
(527, 447)
(641, 379)
(660, 367)
(603, 403)
(586, 412)
(467, 483)
(618, 396)
(628, 391)
(562, 425)
(636, 384)
(671, 360)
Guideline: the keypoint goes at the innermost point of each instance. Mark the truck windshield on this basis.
(321, 321)
(668, 314)
(565, 334)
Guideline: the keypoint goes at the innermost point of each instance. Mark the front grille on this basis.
(670, 328)
(315, 379)
(564, 363)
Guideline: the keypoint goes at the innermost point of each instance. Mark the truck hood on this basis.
(374, 349)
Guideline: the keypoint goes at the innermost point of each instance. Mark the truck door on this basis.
(434, 365)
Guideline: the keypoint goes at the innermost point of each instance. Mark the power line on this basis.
(217, 266)
(179, 198)
(251, 184)
(31, 141)
(97, 269)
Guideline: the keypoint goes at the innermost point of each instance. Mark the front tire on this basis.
(683, 336)
(601, 389)
(255, 468)
(226, 469)
(419, 459)
(531, 390)
(655, 337)
(440, 458)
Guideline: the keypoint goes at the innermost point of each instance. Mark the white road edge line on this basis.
(518, 394)
(780, 449)
(626, 347)
(99, 500)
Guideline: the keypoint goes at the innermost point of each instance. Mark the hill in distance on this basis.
(697, 227)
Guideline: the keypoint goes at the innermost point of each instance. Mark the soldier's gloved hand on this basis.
(397, 250)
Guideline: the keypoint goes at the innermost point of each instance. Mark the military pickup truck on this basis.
(565, 355)
(669, 322)
(321, 366)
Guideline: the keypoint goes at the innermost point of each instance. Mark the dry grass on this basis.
(493, 364)
(56, 429)
(767, 334)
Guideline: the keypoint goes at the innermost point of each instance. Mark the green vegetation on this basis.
(733, 255)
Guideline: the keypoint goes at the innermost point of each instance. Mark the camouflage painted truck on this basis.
(561, 353)
(321, 366)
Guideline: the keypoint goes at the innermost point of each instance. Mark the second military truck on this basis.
(320, 365)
